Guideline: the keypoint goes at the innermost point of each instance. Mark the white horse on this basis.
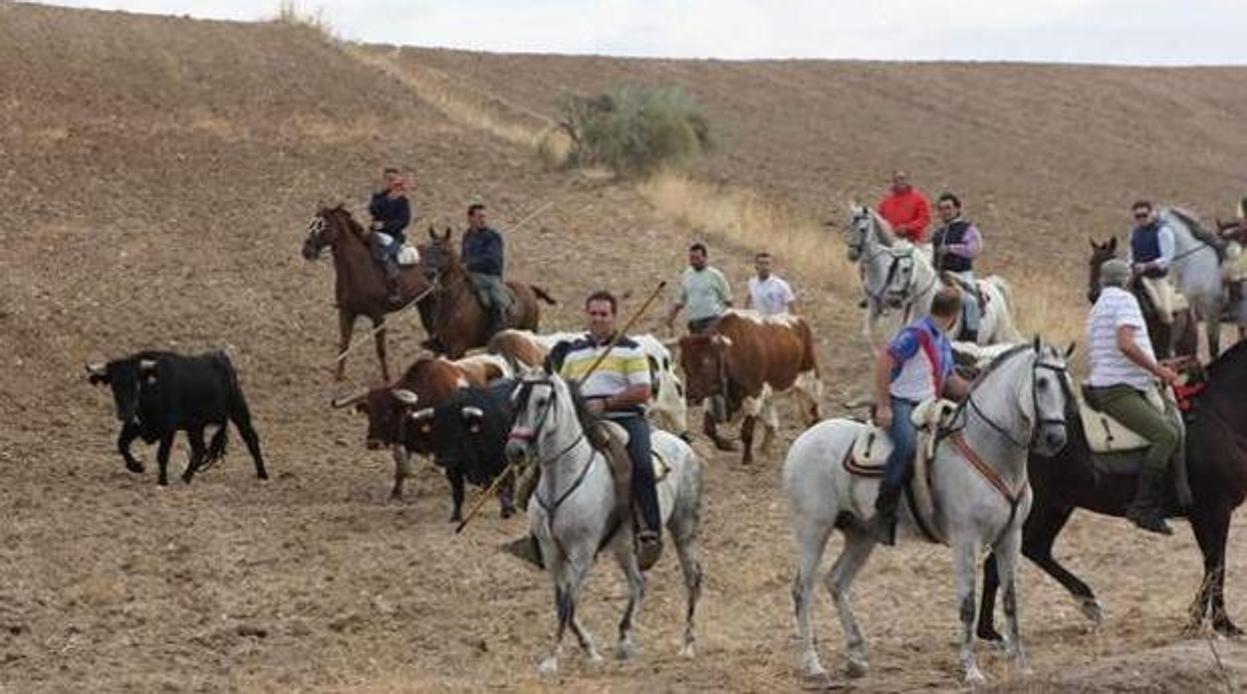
(1196, 270)
(575, 514)
(897, 275)
(978, 484)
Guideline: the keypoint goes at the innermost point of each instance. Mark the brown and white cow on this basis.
(433, 381)
(667, 409)
(741, 362)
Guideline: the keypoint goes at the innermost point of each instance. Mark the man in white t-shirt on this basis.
(768, 294)
(1123, 371)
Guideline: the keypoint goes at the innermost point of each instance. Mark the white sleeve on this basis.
(1165, 238)
(789, 297)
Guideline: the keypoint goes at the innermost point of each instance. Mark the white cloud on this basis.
(1130, 31)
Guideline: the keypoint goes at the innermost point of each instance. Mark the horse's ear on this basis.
(1069, 351)
(1094, 246)
(446, 236)
(1112, 243)
(432, 232)
(1035, 344)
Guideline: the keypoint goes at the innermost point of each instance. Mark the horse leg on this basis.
(812, 539)
(626, 557)
(196, 438)
(455, 476)
(1039, 533)
(1006, 562)
(858, 545)
(162, 457)
(684, 534)
(378, 325)
(346, 326)
(506, 497)
(402, 470)
(1211, 530)
(129, 432)
(569, 573)
(964, 552)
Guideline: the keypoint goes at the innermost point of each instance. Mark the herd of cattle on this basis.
(458, 412)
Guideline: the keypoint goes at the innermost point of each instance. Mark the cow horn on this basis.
(421, 415)
(147, 364)
(339, 403)
(671, 342)
(97, 369)
(723, 340)
(406, 396)
(475, 412)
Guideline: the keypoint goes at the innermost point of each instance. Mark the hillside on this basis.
(159, 175)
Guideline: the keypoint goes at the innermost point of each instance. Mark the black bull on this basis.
(158, 394)
(466, 436)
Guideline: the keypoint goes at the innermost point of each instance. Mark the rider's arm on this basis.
(971, 246)
(956, 387)
(725, 289)
(1126, 343)
(885, 363)
(633, 396)
(679, 304)
(1165, 238)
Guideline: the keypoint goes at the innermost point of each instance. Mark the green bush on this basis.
(634, 130)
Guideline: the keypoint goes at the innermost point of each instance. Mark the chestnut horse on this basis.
(457, 320)
(1216, 454)
(360, 287)
(1177, 339)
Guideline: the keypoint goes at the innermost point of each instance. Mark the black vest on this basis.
(951, 233)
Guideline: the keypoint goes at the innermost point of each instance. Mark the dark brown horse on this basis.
(360, 288)
(1216, 453)
(458, 322)
(1177, 339)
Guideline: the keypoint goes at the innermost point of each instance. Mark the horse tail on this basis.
(543, 295)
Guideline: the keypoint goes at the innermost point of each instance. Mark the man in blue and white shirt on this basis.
(768, 294)
(1124, 371)
(917, 365)
(1151, 253)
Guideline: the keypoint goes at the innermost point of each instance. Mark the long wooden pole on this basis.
(497, 483)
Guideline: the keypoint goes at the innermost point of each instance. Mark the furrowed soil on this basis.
(158, 177)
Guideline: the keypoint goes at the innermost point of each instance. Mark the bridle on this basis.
(529, 436)
(1036, 426)
(898, 297)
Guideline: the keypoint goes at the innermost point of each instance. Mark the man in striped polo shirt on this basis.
(1123, 371)
(618, 390)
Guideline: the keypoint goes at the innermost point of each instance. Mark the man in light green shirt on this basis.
(704, 291)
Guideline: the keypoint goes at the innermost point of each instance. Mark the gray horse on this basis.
(573, 512)
(1196, 270)
(979, 488)
(897, 275)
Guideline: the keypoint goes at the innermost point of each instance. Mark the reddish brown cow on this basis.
(741, 362)
(433, 380)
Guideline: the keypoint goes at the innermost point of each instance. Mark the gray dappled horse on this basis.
(1196, 269)
(573, 512)
(897, 275)
(979, 487)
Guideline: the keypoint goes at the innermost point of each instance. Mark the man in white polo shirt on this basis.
(1123, 371)
(768, 294)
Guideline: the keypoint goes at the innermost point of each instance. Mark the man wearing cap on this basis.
(1124, 371)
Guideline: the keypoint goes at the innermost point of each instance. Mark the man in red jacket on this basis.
(906, 209)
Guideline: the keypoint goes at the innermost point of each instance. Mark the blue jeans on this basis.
(904, 443)
(643, 485)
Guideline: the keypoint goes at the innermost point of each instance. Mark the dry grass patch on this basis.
(750, 219)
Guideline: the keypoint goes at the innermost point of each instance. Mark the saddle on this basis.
(978, 288)
(1117, 450)
(869, 454)
(661, 467)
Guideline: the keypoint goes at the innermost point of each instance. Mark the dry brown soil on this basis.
(158, 175)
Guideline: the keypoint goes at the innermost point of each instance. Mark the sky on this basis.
(1132, 32)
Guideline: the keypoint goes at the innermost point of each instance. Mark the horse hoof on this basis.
(975, 677)
(1092, 610)
(857, 668)
(991, 636)
(596, 658)
(548, 667)
(625, 651)
(689, 651)
(508, 512)
(725, 445)
(135, 468)
(261, 475)
(1227, 628)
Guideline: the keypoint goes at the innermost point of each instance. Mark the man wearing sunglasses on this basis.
(1151, 253)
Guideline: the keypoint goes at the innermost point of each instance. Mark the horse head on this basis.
(543, 405)
(1100, 252)
(324, 230)
(859, 232)
(1032, 382)
(438, 255)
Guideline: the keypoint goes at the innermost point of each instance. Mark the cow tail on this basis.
(543, 295)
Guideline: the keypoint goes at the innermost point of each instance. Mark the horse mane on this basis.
(888, 236)
(347, 218)
(1198, 230)
(588, 420)
(1000, 359)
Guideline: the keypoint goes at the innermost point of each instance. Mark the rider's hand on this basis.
(597, 405)
(1139, 268)
(883, 415)
(1167, 375)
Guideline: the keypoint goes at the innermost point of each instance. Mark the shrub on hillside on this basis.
(634, 130)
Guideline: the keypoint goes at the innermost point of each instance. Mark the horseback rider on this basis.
(957, 243)
(483, 257)
(917, 365)
(1151, 252)
(906, 209)
(1123, 371)
(618, 391)
(390, 214)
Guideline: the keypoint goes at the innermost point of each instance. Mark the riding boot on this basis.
(393, 280)
(883, 525)
(1147, 511)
